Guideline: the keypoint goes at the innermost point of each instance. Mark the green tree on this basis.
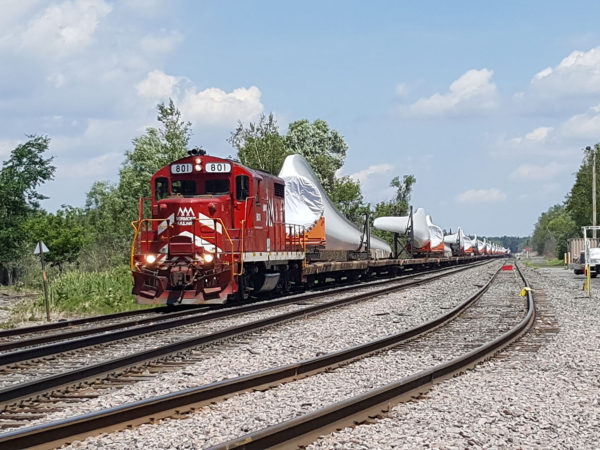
(398, 206)
(260, 146)
(110, 209)
(543, 239)
(347, 198)
(152, 151)
(21, 175)
(561, 228)
(323, 148)
(579, 199)
(63, 233)
(514, 243)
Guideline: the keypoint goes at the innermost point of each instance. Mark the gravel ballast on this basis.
(301, 339)
(541, 392)
(547, 398)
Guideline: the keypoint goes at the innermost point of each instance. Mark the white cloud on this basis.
(472, 92)
(13, 12)
(362, 176)
(165, 42)
(528, 172)
(208, 106)
(215, 106)
(157, 85)
(578, 73)
(539, 134)
(583, 126)
(492, 195)
(95, 168)
(64, 28)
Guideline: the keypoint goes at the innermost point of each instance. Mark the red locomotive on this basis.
(216, 230)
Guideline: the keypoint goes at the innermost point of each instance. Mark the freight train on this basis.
(214, 230)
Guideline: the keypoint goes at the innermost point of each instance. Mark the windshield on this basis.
(194, 187)
(217, 186)
(187, 188)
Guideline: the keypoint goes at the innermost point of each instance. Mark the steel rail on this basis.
(115, 332)
(36, 387)
(74, 322)
(71, 323)
(59, 432)
(97, 330)
(305, 429)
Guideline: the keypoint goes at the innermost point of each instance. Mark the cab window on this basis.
(187, 188)
(217, 187)
(242, 187)
(161, 188)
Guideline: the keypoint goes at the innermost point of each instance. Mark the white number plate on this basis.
(217, 167)
(181, 168)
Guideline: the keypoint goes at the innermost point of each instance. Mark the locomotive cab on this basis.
(215, 227)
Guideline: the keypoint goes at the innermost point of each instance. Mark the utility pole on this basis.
(588, 148)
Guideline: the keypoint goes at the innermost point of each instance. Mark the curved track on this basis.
(62, 377)
(165, 405)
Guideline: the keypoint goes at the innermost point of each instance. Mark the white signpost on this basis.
(40, 249)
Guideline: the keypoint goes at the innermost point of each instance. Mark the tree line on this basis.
(564, 221)
(98, 235)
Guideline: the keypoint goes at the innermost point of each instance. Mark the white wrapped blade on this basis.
(467, 245)
(480, 247)
(436, 234)
(401, 224)
(392, 224)
(302, 204)
(456, 241)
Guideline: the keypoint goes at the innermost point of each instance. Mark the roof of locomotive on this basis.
(253, 172)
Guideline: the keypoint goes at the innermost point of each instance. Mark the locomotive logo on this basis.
(185, 216)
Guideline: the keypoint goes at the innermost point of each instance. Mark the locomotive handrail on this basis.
(295, 237)
(141, 207)
(243, 222)
(136, 234)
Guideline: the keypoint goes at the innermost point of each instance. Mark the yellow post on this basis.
(588, 279)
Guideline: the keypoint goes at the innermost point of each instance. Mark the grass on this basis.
(77, 293)
(552, 262)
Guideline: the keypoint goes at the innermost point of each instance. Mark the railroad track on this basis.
(60, 373)
(166, 406)
(21, 344)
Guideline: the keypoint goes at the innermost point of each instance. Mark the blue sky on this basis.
(488, 105)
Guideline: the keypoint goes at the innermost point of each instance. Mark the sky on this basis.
(488, 104)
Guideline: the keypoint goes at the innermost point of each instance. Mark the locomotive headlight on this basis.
(198, 167)
(208, 258)
(150, 259)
